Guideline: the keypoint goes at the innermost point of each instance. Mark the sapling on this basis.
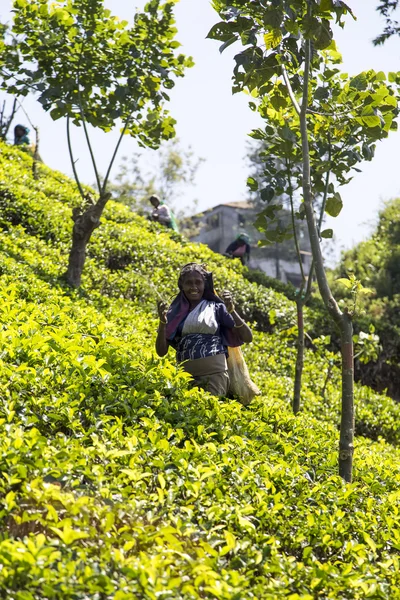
(86, 65)
(284, 44)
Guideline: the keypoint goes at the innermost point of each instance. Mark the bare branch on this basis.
(78, 183)
(88, 142)
(103, 189)
(321, 217)
(290, 91)
(82, 113)
(323, 284)
(26, 114)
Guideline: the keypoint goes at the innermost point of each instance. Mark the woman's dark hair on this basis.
(196, 268)
(25, 129)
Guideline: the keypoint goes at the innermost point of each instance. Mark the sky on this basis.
(216, 123)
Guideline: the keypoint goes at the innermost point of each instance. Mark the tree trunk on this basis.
(346, 444)
(84, 225)
(343, 320)
(299, 356)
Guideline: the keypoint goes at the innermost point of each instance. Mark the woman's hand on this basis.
(228, 301)
(243, 330)
(162, 308)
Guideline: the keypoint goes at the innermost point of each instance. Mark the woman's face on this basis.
(193, 286)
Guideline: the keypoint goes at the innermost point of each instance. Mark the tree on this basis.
(281, 68)
(339, 143)
(93, 69)
(392, 27)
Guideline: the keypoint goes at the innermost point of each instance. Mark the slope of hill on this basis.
(119, 481)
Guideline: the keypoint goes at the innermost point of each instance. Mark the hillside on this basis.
(119, 482)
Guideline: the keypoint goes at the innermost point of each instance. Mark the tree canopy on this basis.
(386, 8)
(87, 64)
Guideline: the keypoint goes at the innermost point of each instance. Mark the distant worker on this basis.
(240, 248)
(21, 135)
(163, 214)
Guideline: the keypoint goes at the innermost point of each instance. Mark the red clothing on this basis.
(240, 251)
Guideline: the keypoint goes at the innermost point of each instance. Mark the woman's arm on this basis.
(162, 343)
(232, 246)
(241, 328)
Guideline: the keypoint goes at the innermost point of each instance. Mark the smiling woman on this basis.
(200, 327)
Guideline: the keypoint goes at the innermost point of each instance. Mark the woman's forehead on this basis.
(193, 275)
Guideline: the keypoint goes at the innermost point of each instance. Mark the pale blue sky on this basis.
(216, 124)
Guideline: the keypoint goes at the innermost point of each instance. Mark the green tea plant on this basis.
(120, 481)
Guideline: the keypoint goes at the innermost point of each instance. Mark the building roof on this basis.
(242, 205)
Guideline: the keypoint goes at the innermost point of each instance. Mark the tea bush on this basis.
(120, 481)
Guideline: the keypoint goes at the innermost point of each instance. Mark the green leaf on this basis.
(327, 233)
(230, 543)
(369, 118)
(369, 541)
(69, 535)
(334, 205)
(380, 76)
(346, 282)
(323, 35)
(389, 101)
(287, 134)
(228, 43)
(360, 82)
(220, 31)
(272, 39)
(273, 18)
(267, 194)
(252, 184)
(321, 93)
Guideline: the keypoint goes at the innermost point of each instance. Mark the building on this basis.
(220, 225)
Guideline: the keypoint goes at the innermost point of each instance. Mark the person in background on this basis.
(240, 248)
(200, 326)
(21, 135)
(163, 214)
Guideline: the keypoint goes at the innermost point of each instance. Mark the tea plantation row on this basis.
(120, 482)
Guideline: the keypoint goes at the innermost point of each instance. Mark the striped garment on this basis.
(200, 332)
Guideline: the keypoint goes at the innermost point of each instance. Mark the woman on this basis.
(21, 135)
(200, 326)
(240, 248)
